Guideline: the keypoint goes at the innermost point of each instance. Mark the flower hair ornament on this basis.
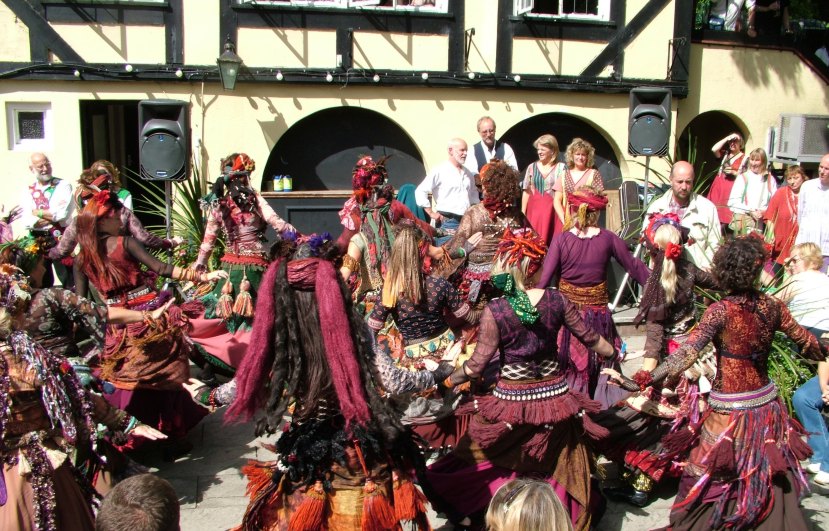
(673, 251)
(366, 175)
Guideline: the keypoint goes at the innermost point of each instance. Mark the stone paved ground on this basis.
(212, 490)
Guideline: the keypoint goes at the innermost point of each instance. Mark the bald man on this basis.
(47, 205)
(697, 214)
(452, 187)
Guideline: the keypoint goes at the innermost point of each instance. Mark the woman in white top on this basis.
(807, 290)
(752, 191)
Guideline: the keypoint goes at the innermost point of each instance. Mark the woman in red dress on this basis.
(539, 184)
(781, 216)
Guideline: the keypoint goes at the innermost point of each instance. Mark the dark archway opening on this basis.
(565, 128)
(696, 140)
(319, 151)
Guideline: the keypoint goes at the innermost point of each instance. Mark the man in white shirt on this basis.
(489, 148)
(452, 187)
(47, 206)
(813, 211)
(696, 213)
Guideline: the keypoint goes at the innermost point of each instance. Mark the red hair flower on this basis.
(672, 251)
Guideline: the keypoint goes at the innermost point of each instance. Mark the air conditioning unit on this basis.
(802, 138)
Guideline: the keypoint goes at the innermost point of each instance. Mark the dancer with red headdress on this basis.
(146, 362)
(668, 309)
(577, 263)
(531, 423)
(243, 215)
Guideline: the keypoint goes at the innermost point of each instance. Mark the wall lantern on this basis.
(229, 64)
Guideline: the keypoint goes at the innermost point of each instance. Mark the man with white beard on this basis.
(47, 206)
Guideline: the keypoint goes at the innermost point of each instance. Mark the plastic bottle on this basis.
(277, 183)
(287, 183)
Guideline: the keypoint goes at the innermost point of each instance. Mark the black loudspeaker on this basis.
(164, 139)
(649, 127)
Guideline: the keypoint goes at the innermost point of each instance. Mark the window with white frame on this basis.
(401, 5)
(566, 9)
(29, 126)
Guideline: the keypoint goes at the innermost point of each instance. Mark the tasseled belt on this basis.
(526, 391)
(587, 295)
(727, 402)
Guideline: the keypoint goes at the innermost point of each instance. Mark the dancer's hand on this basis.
(216, 275)
(195, 388)
(430, 365)
(451, 354)
(13, 214)
(615, 376)
(176, 241)
(142, 430)
(158, 312)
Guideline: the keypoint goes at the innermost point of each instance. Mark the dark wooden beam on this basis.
(503, 43)
(624, 37)
(228, 25)
(681, 49)
(345, 47)
(455, 61)
(174, 32)
(44, 34)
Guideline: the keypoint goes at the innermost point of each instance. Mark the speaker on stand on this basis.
(164, 147)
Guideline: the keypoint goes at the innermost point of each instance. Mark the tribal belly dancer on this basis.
(743, 471)
(668, 308)
(577, 263)
(500, 210)
(147, 362)
(416, 302)
(531, 423)
(342, 459)
(243, 215)
(45, 418)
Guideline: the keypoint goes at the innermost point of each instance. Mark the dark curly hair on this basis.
(738, 262)
(501, 182)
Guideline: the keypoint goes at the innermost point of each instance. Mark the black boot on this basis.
(627, 493)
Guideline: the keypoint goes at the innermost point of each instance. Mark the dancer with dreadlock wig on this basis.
(243, 215)
(366, 176)
(46, 417)
(368, 218)
(531, 423)
(668, 309)
(499, 210)
(577, 263)
(342, 458)
(147, 361)
(743, 471)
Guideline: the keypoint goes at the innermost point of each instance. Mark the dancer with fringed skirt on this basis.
(744, 470)
(531, 423)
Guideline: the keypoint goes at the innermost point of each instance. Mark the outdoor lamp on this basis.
(229, 64)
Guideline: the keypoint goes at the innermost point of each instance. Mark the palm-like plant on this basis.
(188, 219)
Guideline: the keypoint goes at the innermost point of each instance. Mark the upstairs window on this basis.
(564, 9)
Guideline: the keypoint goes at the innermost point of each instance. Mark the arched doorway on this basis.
(565, 127)
(320, 150)
(696, 140)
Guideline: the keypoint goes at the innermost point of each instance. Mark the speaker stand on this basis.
(171, 284)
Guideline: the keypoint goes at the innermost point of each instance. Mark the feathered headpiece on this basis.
(517, 244)
(366, 175)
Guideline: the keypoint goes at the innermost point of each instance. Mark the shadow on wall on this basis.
(320, 150)
(565, 128)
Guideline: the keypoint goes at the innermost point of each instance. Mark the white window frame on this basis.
(13, 109)
(525, 7)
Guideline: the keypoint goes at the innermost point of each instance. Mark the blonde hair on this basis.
(549, 141)
(525, 504)
(403, 276)
(664, 235)
(579, 144)
(810, 254)
(518, 270)
(584, 218)
(759, 152)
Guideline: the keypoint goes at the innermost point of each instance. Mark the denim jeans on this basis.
(448, 224)
(808, 404)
